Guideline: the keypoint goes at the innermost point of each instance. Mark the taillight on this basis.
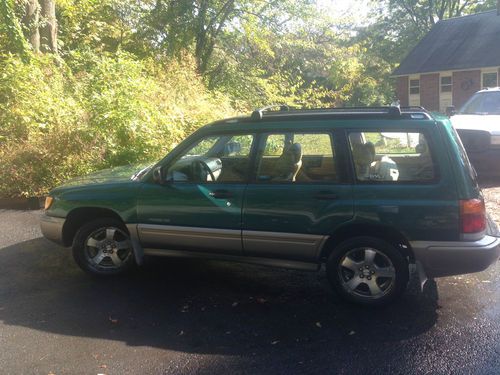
(472, 216)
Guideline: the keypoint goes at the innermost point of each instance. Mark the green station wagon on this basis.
(372, 193)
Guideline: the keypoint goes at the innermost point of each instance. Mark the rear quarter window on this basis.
(392, 157)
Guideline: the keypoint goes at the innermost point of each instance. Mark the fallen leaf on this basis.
(103, 366)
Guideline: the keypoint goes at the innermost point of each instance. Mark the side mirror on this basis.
(158, 176)
(451, 111)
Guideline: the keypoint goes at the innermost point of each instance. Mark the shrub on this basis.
(58, 121)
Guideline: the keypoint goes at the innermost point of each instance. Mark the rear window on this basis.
(392, 157)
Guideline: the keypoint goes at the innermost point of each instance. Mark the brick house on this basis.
(458, 57)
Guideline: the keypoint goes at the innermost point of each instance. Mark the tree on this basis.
(400, 24)
(31, 21)
(48, 28)
(40, 25)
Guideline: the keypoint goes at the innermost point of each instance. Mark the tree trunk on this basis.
(48, 31)
(30, 20)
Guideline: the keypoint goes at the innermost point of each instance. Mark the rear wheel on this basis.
(368, 271)
(103, 247)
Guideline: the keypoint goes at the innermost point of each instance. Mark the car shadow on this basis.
(198, 306)
(487, 182)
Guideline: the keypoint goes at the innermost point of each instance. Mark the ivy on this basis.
(11, 34)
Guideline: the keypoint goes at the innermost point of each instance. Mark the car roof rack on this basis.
(391, 112)
(258, 114)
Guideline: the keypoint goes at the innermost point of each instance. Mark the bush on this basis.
(58, 121)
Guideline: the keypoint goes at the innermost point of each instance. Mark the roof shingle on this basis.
(457, 43)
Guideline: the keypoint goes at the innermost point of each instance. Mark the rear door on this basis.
(293, 218)
(405, 183)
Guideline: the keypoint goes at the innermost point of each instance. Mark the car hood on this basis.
(489, 123)
(125, 173)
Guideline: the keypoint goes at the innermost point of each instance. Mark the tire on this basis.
(103, 247)
(367, 271)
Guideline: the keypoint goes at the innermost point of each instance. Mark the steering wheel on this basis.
(204, 166)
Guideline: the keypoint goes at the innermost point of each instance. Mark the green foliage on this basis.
(119, 110)
(398, 25)
(360, 78)
(11, 35)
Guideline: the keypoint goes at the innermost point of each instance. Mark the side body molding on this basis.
(306, 247)
(271, 245)
(169, 236)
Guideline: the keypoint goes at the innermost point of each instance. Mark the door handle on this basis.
(326, 195)
(221, 194)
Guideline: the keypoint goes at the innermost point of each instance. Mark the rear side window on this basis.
(392, 157)
(297, 158)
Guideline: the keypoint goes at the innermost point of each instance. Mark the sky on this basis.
(358, 9)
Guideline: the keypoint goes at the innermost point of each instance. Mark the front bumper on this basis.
(52, 228)
(441, 258)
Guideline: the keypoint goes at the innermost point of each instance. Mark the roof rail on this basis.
(387, 111)
(414, 108)
(259, 113)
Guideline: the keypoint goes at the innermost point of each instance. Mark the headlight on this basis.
(495, 140)
(48, 202)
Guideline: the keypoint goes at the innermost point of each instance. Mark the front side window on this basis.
(220, 158)
(392, 157)
(297, 158)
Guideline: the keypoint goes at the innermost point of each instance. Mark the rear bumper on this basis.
(52, 228)
(439, 258)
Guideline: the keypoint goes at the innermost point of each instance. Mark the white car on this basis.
(478, 124)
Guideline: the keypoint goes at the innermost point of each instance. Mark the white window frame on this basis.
(414, 99)
(489, 71)
(441, 85)
(445, 97)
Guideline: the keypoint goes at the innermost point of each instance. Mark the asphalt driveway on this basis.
(186, 317)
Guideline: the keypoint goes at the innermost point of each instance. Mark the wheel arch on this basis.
(384, 232)
(81, 215)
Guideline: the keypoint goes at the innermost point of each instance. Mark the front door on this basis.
(198, 206)
(299, 195)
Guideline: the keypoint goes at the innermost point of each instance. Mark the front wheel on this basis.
(368, 271)
(103, 247)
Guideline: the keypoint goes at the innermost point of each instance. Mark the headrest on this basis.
(363, 153)
(296, 151)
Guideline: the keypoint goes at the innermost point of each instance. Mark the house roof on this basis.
(457, 43)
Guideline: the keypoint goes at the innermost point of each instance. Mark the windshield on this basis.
(483, 103)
